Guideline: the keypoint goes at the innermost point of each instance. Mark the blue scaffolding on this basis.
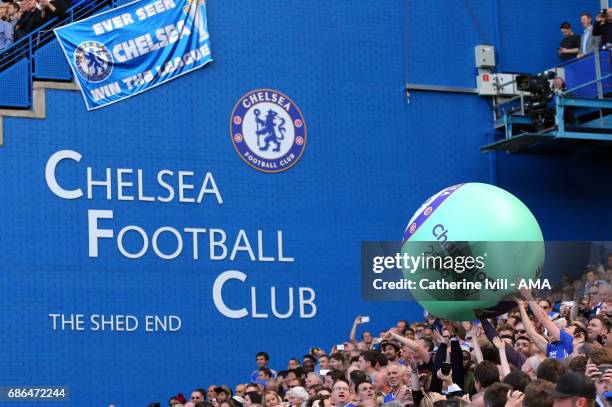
(580, 117)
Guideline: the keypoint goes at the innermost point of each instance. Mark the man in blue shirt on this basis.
(262, 359)
(6, 33)
(588, 43)
(562, 344)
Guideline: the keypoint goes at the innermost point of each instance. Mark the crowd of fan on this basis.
(544, 352)
(18, 19)
(596, 34)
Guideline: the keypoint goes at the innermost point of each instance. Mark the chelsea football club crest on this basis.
(93, 61)
(268, 130)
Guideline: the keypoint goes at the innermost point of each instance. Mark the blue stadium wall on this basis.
(370, 161)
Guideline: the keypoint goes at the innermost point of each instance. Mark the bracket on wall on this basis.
(437, 88)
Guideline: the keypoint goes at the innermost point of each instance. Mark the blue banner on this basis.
(127, 50)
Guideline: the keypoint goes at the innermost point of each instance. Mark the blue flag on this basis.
(127, 50)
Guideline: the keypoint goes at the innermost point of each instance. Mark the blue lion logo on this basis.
(267, 127)
(93, 61)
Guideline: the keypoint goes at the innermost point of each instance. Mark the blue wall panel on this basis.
(371, 160)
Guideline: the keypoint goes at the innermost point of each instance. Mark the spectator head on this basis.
(272, 399)
(367, 338)
(223, 393)
(522, 345)
(551, 370)
(197, 395)
(496, 395)
(394, 375)
(460, 331)
(573, 389)
(600, 356)
(332, 376)
(308, 364)
(13, 8)
(252, 397)
(368, 361)
(252, 387)
(409, 333)
(531, 366)
(365, 390)
(519, 329)
(297, 396)
(597, 328)
(324, 362)
(291, 383)
(535, 395)
(179, 399)
(577, 364)
(390, 349)
(505, 329)
(357, 376)
(262, 359)
(467, 325)
(490, 353)
(603, 292)
(313, 379)
(566, 30)
(341, 393)
(336, 361)
(401, 326)
(544, 303)
(240, 390)
(517, 380)
(427, 332)
(586, 19)
(264, 374)
(210, 393)
(294, 363)
(427, 343)
(382, 360)
(485, 374)
(380, 381)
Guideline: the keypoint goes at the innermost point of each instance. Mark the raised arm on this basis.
(501, 347)
(354, 329)
(538, 339)
(414, 346)
(542, 316)
(475, 344)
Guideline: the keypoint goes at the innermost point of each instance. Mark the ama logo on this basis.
(93, 61)
(268, 130)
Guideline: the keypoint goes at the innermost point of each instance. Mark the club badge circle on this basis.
(268, 130)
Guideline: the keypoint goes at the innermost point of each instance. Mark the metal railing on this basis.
(25, 47)
(517, 103)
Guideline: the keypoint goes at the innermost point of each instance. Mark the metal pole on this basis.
(599, 82)
(598, 75)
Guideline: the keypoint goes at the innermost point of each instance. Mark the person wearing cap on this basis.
(418, 348)
(573, 390)
(391, 348)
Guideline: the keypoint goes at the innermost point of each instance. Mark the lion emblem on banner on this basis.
(271, 129)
